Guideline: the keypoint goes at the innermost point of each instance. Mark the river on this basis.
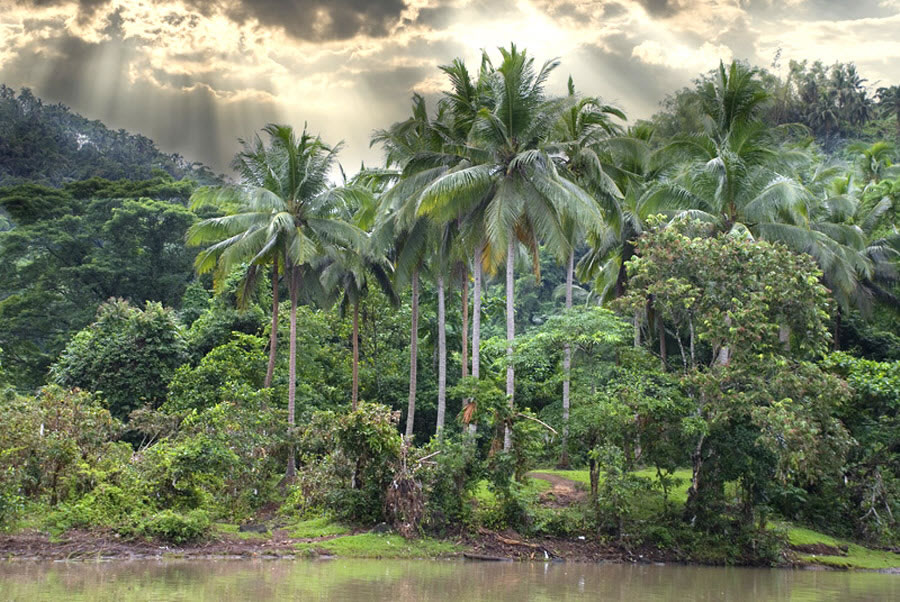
(415, 580)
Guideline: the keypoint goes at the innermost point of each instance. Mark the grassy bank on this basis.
(381, 545)
(560, 525)
(840, 553)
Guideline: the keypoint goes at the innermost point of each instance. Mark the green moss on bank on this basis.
(233, 530)
(376, 545)
(858, 557)
(317, 527)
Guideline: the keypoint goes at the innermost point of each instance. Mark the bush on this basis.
(11, 500)
(449, 480)
(56, 445)
(105, 506)
(239, 362)
(347, 462)
(128, 354)
(230, 455)
(176, 527)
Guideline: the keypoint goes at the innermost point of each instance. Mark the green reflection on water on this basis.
(371, 580)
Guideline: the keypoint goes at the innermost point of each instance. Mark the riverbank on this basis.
(554, 492)
(817, 551)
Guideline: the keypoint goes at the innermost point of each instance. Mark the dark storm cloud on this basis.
(394, 83)
(582, 12)
(660, 8)
(314, 20)
(318, 20)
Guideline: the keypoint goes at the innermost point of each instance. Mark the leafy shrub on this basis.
(225, 456)
(128, 354)
(57, 444)
(105, 506)
(176, 527)
(11, 499)
(449, 480)
(347, 462)
(239, 362)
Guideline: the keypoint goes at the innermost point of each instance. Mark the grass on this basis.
(317, 527)
(858, 557)
(646, 504)
(377, 545)
(233, 530)
(485, 497)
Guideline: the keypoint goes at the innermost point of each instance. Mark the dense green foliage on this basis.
(127, 355)
(699, 311)
(75, 247)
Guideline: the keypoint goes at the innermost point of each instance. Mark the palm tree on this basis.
(507, 164)
(874, 160)
(730, 177)
(227, 237)
(735, 178)
(462, 102)
(427, 148)
(289, 211)
(889, 103)
(635, 169)
(857, 264)
(351, 270)
(580, 128)
(416, 146)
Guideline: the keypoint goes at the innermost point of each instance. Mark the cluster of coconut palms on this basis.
(499, 169)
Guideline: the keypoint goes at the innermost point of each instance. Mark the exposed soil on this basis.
(74, 545)
(563, 492)
(484, 545)
(509, 545)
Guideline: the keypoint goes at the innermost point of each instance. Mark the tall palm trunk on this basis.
(510, 334)
(413, 355)
(567, 365)
(442, 357)
(292, 371)
(476, 320)
(465, 321)
(273, 336)
(354, 397)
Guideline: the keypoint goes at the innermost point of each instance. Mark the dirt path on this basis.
(563, 492)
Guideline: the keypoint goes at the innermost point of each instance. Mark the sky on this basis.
(197, 75)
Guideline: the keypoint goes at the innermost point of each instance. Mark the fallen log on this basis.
(516, 542)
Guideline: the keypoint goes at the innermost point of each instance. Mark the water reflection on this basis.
(371, 580)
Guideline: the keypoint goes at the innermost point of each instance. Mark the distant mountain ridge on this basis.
(50, 144)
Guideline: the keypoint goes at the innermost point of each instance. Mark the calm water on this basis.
(371, 580)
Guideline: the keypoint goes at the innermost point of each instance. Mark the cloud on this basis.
(317, 20)
(680, 56)
(196, 74)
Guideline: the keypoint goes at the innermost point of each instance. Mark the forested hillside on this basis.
(49, 144)
(694, 315)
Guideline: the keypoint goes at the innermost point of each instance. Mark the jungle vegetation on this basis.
(699, 308)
